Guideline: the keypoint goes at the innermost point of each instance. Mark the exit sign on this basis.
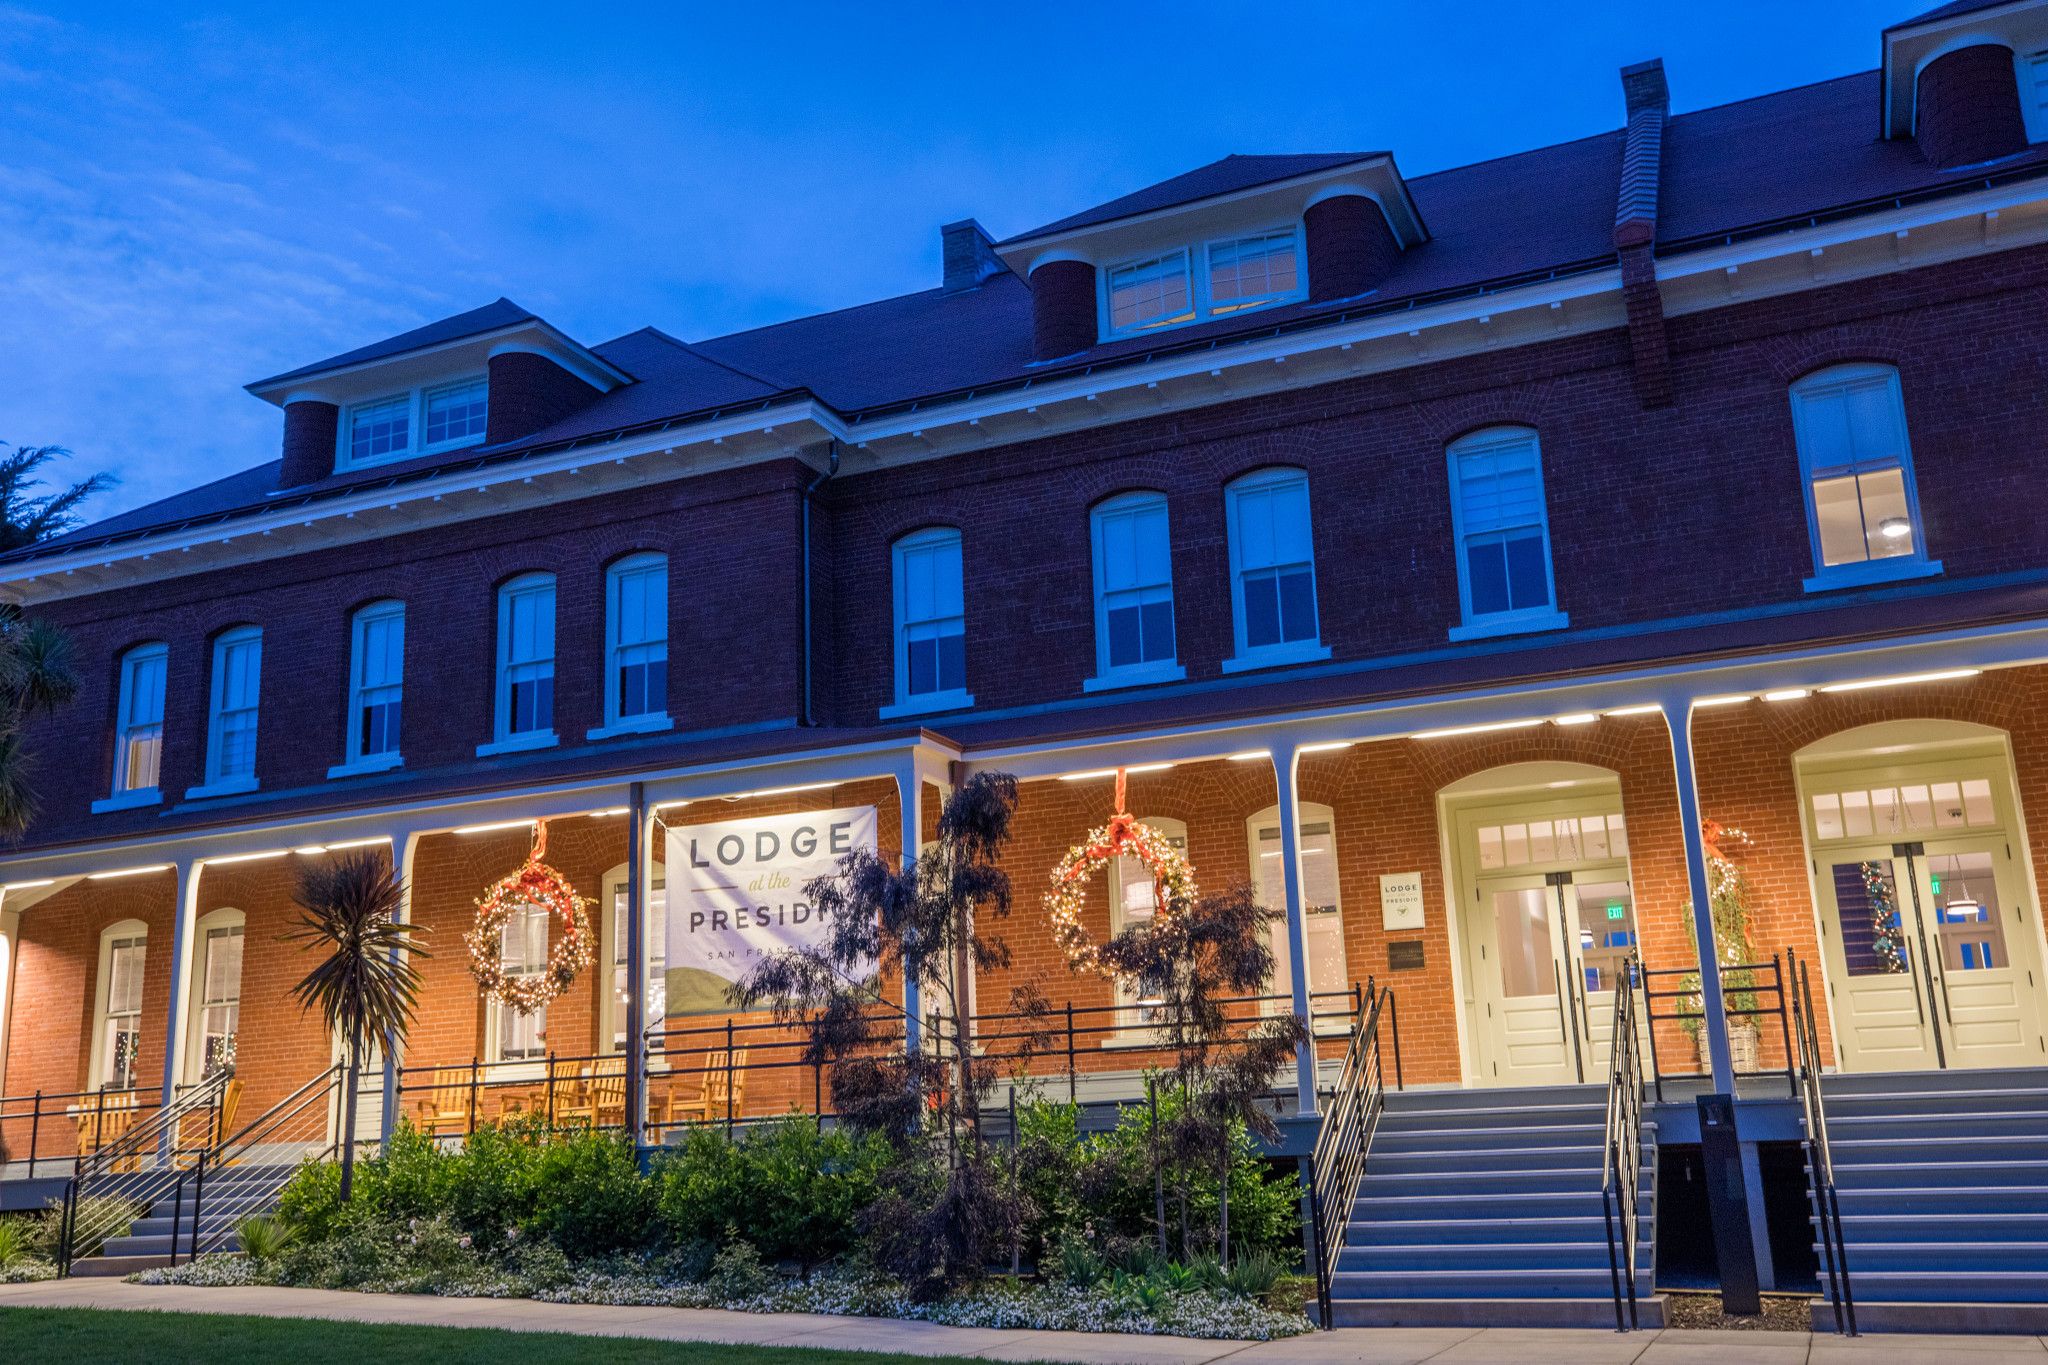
(1617, 911)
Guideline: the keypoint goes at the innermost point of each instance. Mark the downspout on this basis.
(832, 467)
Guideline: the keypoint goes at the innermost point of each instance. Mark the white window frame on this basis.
(1512, 622)
(1896, 567)
(923, 703)
(1129, 992)
(1196, 260)
(218, 782)
(506, 740)
(222, 921)
(497, 1013)
(127, 931)
(124, 796)
(611, 1014)
(354, 760)
(1310, 650)
(2031, 71)
(1310, 817)
(1100, 518)
(650, 564)
(415, 401)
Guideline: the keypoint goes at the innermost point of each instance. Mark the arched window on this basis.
(1133, 901)
(636, 645)
(217, 997)
(232, 711)
(1134, 637)
(376, 688)
(1272, 570)
(1502, 530)
(1321, 900)
(931, 623)
(1862, 509)
(139, 727)
(117, 999)
(526, 665)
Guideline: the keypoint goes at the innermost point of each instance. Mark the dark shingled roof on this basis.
(1770, 162)
(489, 318)
(1949, 11)
(1231, 174)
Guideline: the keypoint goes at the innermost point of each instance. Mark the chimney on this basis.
(1966, 107)
(1648, 100)
(309, 432)
(970, 255)
(529, 392)
(1351, 247)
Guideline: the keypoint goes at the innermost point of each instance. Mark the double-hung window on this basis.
(1248, 272)
(138, 727)
(636, 646)
(1502, 534)
(931, 624)
(523, 944)
(1208, 280)
(1149, 293)
(124, 951)
(1133, 593)
(220, 992)
(421, 421)
(654, 1001)
(1272, 571)
(376, 688)
(454, 415)
(526, 665)
(231, 712)
(1862, 509)
(380, 431)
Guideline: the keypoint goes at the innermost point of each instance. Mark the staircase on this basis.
(229, 1197)
(1943, 1184)
(1483, 1208)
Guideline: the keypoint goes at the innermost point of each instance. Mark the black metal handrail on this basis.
(1820, 1161)
(135, 1169)
(72, 1110)
(1755, 979)
(1351, 1116)
(284, 1126)
(1622, 1150)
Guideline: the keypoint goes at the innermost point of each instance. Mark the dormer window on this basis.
(1237, 273)
(2034, 94)
(421, 422)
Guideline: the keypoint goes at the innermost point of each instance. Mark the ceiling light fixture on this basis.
(1787, 694)
(1944, 675)
(1493, 727)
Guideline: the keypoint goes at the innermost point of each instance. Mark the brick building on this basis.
(1493, 530)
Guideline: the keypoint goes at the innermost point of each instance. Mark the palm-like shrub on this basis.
(367, 984)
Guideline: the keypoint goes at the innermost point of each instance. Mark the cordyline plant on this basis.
(367, 986)
(1199, 956)
(946, 1208)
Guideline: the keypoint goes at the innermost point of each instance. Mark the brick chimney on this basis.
(528, 393)
(1062, 309)
(970, 255)
(1648, 101)
(1351, 248)
(1967, 107)
(309, 433)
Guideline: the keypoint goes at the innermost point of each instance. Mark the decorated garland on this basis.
(1884, 919)
(1173, 880)
(534, 884)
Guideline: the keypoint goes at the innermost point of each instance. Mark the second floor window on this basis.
(1273, 569)
(376, 693)
(231, 720)
(1133, 590)
(931, 622)
(636, 629)
(139, 740)
(1502, 532)
(1862, 508)
(526, 660)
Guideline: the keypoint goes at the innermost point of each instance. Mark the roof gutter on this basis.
(832, 447)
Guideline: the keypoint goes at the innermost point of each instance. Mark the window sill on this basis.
(1871, 572)
(956, 700)
(1277, 656)
(518, 744)
(371, 763)
(1134, 677)
(652, 723)
(1511, 625)
(226, 786)
(129, 800)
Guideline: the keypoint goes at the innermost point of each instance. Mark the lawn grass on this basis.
(49, 1335)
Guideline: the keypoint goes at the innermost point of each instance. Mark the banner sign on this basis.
(736, 894)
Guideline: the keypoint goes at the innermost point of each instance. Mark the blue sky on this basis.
(188, 202)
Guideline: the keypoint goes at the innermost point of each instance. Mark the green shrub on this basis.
(14, 1239)
(790, 1189)
(737, 1273)
(589, 1197)
(263, 1238)
(492, 1184)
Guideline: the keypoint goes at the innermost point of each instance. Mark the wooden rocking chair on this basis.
(710, 1103)
(603, 1099)
(445, 1110)
(208, 1128)
(104, 1122)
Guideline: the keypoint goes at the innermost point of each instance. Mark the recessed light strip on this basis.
(1944, 675)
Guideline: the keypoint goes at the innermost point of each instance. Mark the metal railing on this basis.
(64, 1126)
(1351, 1116)
(119, 1178)
(1820, 1162)
(1756, 980)
(1622, 1149)
(242, 1174)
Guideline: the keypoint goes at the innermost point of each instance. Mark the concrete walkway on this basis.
(1357, 1346)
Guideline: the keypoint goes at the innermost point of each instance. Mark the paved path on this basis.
(1356, 1346)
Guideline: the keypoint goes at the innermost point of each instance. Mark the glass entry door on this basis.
(1547, 950)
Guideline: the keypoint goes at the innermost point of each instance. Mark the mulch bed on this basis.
(1782, 1313)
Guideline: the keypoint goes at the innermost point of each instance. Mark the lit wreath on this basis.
(533, 884)
(1173, 880)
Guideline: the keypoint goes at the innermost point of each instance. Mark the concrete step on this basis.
(1592, 1116)
(1487, 1231)
(114, 1267)
(1597, 1313)
(1971, 1201)
(1557, 1158)
(1896, 1174)
(1929, 1227)
(2022, 1101)
(1497, 1097)
(1463, 1205)
(1939, 1258)
(1451, 1140)
(1962, 1149)
(1946, 1286)
(1490, 1283)
(1575, 1255)
(1431, 1184)
(1923, 1082)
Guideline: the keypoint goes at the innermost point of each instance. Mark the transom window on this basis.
(1503, 533)
(636, 622)
(1133, 590)
(526, 661)
(931, 623)
(1546, 843)
(1187, 284)
(231, 724)
(140, 740)
(1272, 565)
(1911, 808)
(376, 684)
(419, 422)
(1862, 508)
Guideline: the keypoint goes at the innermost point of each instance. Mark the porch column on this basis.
(10, 942)
(910, 806)
(1678, 718)
(1286, 760)
(405, 847)
(184, 916)
(638, 880)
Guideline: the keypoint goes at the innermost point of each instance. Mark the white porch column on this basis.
(1286, 762)
(10, 945)
(910, 805)
(184, 916)
(1678, 712)
(405, 847)
(639, 894)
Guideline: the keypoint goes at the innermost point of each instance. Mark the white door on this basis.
(1522, 972)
